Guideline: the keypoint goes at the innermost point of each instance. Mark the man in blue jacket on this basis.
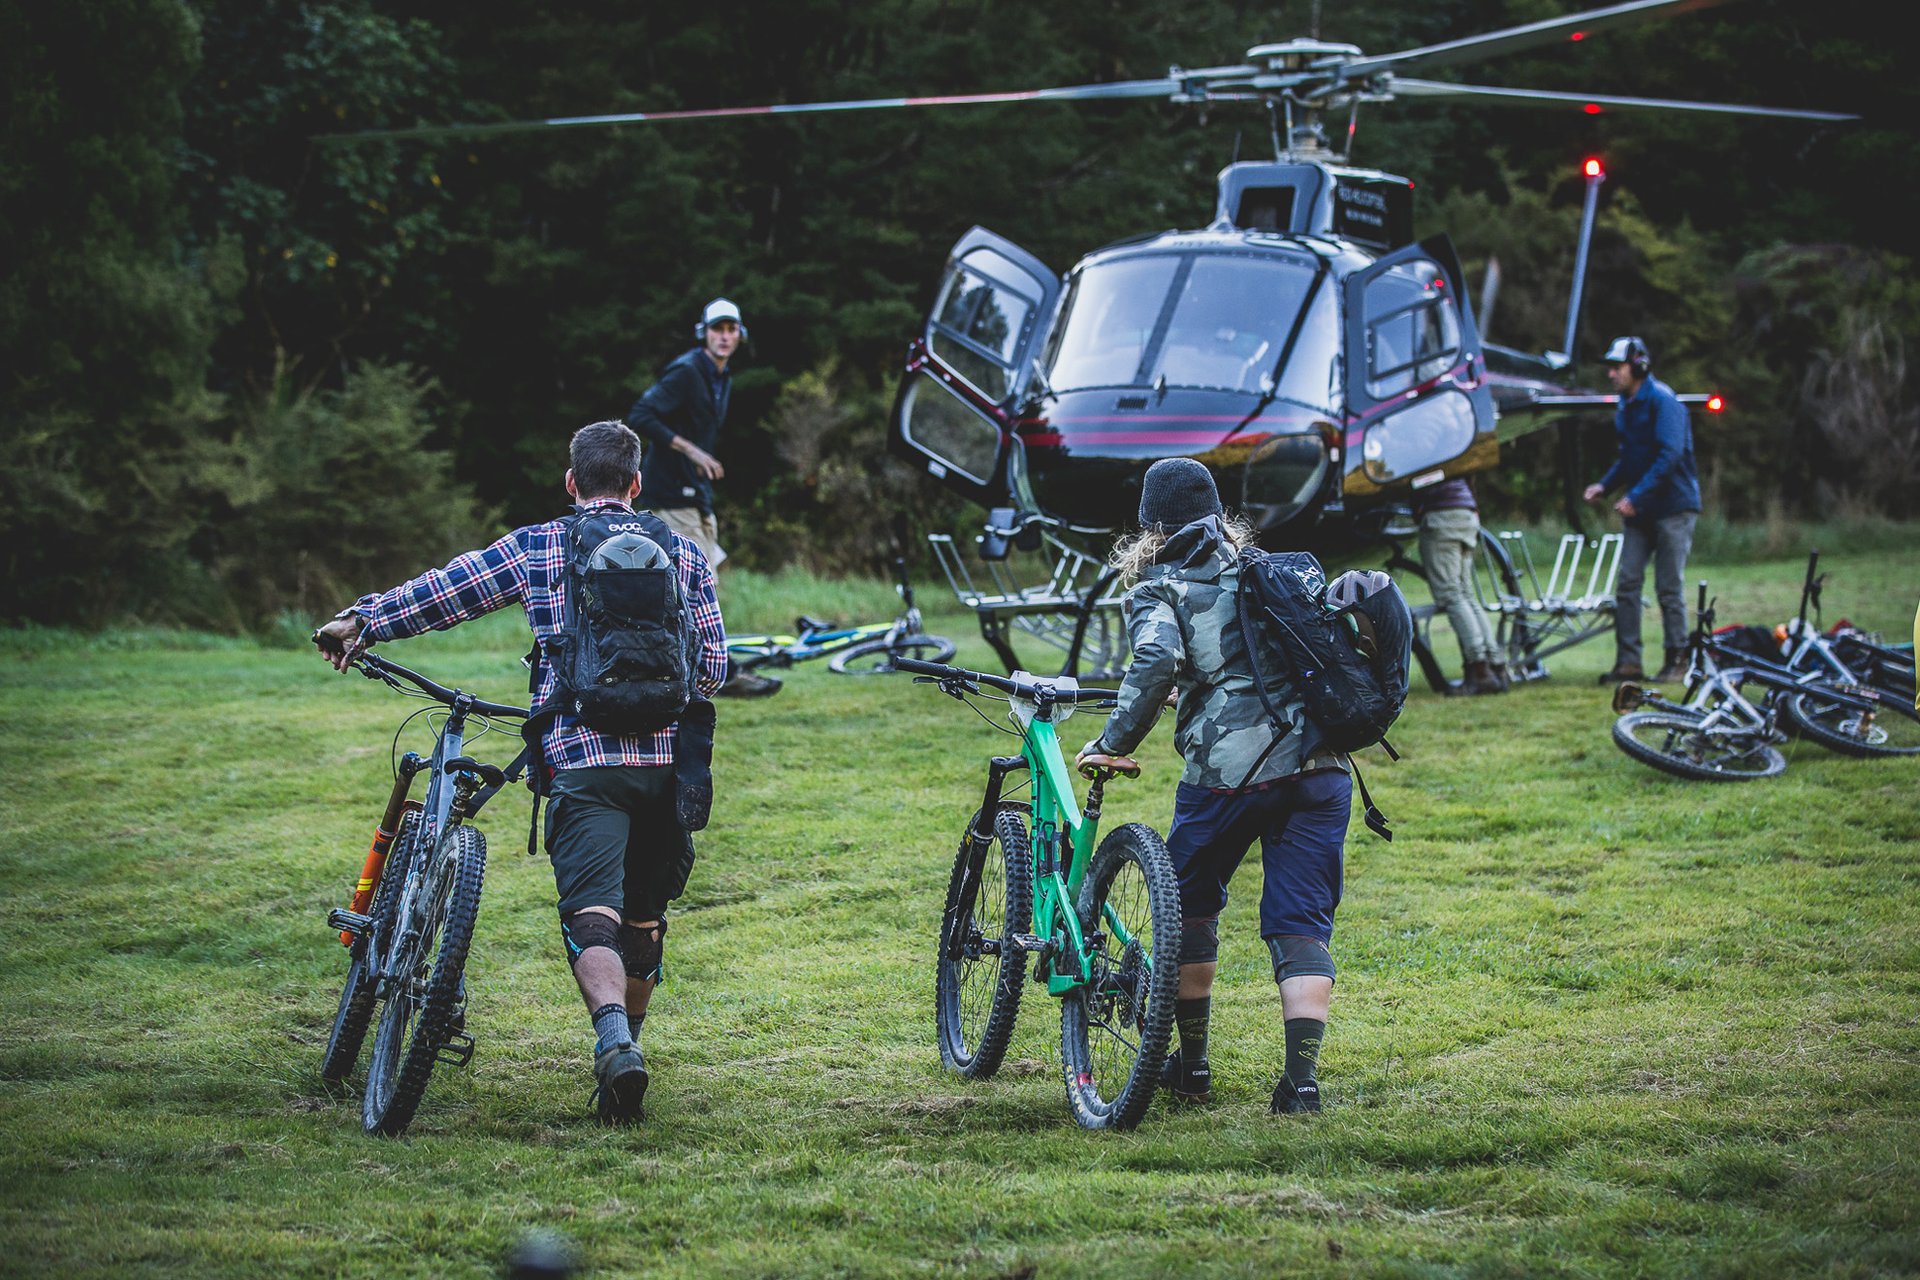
(1661, 502)
(680, 417)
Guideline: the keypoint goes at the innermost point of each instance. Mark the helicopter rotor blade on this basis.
(1572, 27)
(1591, 103)
(1165, 87)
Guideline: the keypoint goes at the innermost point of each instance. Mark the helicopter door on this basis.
(956, 409)
(1416, 384)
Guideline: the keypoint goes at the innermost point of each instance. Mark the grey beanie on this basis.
(1176, 492)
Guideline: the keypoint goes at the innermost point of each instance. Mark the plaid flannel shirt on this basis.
(527, 567)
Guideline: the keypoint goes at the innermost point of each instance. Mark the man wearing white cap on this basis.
(680, 417)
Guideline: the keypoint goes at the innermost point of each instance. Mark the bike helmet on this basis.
(629, 551)
(1353, 586)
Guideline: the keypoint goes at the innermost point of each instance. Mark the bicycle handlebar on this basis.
(1019, 688)
(375, 667)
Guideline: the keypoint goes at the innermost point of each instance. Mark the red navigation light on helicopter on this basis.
(1578, 35)
(1716, 403)
(1593, 169)
(1592, 108)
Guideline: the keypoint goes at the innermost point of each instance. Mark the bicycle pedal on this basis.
(457, 1051)
(347, 921)
(1030, 943)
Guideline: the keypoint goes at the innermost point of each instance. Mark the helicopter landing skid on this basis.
(1530, 624)
(1074, 609)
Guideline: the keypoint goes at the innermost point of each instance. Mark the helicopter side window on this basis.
(1106, 321)
(1413, 328)
(1231, 321)
(977, 323)
(1428, 432)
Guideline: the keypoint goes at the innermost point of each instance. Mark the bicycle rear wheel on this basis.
(978, 973)
(1891, 729)
(1114, 1030)
(1675, 743)
(361, 992)
(425, 995)
(876, 657)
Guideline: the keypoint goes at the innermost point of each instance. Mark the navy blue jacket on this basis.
(690, 400)
(1656, 454)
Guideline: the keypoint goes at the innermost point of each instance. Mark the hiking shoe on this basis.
(1623, 672)
(620, 1082)
(1290, 1099)
(1192, 1084)
(749, 684)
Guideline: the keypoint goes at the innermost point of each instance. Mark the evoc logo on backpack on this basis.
(622, 654)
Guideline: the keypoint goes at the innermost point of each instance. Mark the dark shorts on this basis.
(614, 840)
(1301, 824)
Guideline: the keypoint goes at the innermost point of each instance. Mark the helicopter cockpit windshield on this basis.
(1207, 321)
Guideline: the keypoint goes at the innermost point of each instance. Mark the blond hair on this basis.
(1135, 554)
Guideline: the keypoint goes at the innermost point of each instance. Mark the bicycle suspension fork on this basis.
(376, 864)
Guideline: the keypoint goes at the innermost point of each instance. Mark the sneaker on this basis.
(1623, 672)
(620, 1082)
(1290, 1099)
(749, 684)
(1193, 1084)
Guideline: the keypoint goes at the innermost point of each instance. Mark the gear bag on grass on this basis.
(1345, 651)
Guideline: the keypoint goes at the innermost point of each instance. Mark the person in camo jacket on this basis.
(1183, 624)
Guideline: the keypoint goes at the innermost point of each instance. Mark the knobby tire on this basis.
(976, 991)
(876, 657)
(1676, 744)
(1114, 1031)
(1892, 729)
(418, 1020)
(360, 994)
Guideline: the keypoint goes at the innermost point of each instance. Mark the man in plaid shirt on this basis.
(618, 848)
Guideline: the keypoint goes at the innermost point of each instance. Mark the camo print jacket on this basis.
(1185, 631)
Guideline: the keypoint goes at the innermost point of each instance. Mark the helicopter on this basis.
(1320, 360)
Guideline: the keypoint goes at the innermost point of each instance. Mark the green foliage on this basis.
(316, 497)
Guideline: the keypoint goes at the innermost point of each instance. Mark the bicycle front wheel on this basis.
(1891, 729)
(360, 994)
(1676, 744)
(1114, 1029)
(979, 971)
(424, 999)
(878, 657)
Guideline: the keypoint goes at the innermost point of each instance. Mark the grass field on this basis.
(1591, 1021)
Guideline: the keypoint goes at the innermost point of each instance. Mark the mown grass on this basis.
(1590, 1020)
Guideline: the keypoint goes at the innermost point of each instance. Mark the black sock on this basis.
(610, 1024)
(1303, 1048)
(633, 1024)
(1191, 1015)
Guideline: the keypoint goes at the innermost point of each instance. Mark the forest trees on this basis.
(253, 371)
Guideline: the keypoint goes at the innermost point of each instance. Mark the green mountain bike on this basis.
(1100, 924)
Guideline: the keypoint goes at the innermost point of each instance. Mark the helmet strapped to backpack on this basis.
(1345, 647)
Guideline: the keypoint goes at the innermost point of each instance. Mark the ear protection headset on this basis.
(700, 326)
(1632, 352)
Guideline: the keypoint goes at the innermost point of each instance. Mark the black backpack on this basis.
(623, 653)
(1349, 665)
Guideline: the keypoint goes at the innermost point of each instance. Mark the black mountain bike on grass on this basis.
(411, 922)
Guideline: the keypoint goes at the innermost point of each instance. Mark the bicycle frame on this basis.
(1062, 836)
(785, 650)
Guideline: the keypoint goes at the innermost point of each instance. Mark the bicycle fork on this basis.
(352, 920)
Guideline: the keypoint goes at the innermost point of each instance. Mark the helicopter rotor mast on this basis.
(1310, 76)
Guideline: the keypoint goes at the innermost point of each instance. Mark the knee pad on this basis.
(1298, 957)
(1200, 940)
(642, 946)
(584, 929)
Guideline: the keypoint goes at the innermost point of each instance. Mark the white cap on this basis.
(720, 309)
(1623, 351)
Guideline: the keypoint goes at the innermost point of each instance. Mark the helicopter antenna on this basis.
(1273, 125)
(1353, 123)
